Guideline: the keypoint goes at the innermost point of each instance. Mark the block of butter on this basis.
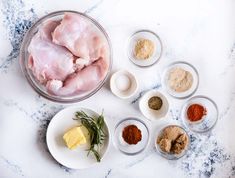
(74, 137)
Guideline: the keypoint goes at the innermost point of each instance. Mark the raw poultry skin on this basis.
(87, 49)
(80, 36)
(82, 81)
(47, 60)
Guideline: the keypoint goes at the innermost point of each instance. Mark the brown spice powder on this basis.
(173, 140)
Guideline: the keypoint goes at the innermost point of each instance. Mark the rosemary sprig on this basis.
(95, 129)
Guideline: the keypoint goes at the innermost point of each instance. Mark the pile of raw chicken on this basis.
(70, 56)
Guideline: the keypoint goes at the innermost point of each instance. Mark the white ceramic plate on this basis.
(75, 159)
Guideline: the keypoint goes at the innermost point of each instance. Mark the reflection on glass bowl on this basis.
(187, 67)
(131, 149)
(209, 120)
(35, 84)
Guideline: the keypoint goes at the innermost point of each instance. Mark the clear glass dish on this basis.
(126, 148)
(188, 67)
(171, 156)
(146, 34)
(208, 121)
(34, 83)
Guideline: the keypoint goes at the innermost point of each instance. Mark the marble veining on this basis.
(12, 166)
(17, 20)
(213, 157)
(209, 156)
(93, 7)
(157, 86)
(108, 173)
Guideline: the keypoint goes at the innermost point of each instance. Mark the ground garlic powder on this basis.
(144, 49)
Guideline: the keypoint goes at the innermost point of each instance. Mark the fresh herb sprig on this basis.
(95, 128)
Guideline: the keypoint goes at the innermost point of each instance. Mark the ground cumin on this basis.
(155, 103)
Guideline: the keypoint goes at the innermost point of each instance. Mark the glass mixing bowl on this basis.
(35, 84)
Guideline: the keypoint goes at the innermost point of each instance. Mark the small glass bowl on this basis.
(208, 121)
(188, 67)
(171, 156)
(146, 34)
(126, 148)
(34, 83)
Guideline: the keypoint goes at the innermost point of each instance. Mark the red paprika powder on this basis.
(131, 134)
(196, 112)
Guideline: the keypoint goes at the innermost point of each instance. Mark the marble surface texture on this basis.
(201, 32)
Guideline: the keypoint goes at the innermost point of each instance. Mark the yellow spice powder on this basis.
(144, 49)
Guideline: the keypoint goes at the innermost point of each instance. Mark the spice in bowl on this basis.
(131, 134)
(180, 80)
(173, 140)
(196, 112)
(144, 49)
(155, 103)
(123, 84)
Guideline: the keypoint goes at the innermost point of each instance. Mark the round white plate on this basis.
(75, 159)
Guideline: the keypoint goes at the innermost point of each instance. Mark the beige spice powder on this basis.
(144, 49)
(180, 80)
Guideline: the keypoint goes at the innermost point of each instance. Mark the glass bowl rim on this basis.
(165, 155)
(145, 126)
(39, 91)
(128, 43)
(166, 69)
(203, 97)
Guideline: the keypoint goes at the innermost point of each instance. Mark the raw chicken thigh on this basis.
(81, 81)
(70, 57)
(81, 37)
(47, 60)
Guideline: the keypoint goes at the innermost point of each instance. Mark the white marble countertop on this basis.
(201, 32)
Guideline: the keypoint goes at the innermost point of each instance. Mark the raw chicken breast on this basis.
(82, 81)
(81, 37)
(47, 60)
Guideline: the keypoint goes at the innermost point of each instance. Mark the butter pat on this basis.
(74, 137)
